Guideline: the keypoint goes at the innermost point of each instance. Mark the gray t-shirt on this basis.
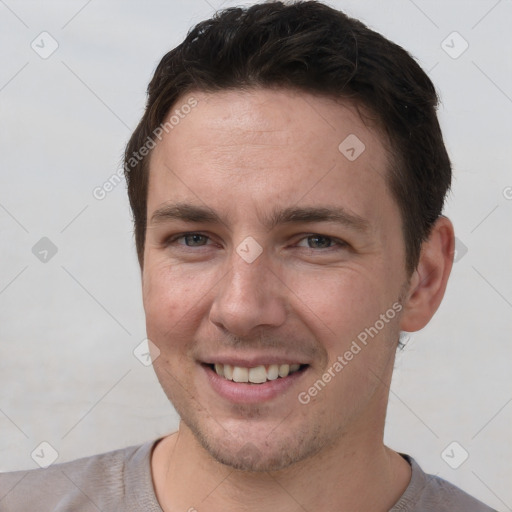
(121, 481)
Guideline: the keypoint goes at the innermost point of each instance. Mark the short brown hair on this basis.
(314, 48)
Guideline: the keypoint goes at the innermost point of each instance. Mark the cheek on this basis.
(339, 303)
(172, 299)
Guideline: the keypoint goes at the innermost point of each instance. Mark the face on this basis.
(273, 244)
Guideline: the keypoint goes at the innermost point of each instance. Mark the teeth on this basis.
(273, 372)
(228, 371)
(219, 368)
(284, 370)
(240, 374)
(256, 375)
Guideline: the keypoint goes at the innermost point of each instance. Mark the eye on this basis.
(317, 241)
(189, 239)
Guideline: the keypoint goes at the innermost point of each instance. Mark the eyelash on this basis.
(336, 242)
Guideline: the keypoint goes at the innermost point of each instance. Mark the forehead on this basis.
(268, 147)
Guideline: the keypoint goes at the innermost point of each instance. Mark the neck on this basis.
(357, 473)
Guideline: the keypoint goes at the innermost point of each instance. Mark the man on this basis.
(287, 182)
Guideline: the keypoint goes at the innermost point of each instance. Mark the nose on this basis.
(250, 296)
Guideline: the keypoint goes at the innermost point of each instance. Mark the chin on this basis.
(250, 438)
(256, 448)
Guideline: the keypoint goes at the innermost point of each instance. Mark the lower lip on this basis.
(246, 393)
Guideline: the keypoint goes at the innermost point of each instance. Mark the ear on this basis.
(428, 282)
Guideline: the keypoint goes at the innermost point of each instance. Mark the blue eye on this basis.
(189, 240)
(195, 239)
(312, 241)
(320, 242)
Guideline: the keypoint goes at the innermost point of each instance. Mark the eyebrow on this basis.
(292, 215)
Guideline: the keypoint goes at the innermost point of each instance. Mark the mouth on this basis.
(253, 384)
(257, 374)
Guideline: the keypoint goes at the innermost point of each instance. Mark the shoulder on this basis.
(430, 493)
(90, 483)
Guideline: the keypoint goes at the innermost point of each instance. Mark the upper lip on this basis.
(252, 362)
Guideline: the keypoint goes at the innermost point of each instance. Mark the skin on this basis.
(245, 154)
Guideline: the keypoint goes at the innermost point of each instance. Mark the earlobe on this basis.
(428, 282)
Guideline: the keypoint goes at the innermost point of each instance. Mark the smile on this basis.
(257, 374)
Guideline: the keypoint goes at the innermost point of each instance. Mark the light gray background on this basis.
(69, 326)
